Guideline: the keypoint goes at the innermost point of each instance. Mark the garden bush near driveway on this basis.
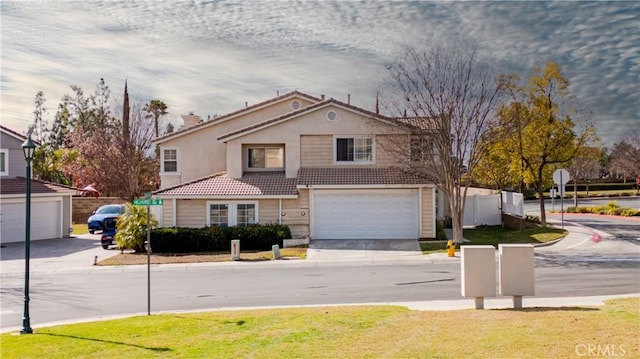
(346, 332)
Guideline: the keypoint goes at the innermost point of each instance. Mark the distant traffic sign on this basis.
(147, 202)
(561, 177)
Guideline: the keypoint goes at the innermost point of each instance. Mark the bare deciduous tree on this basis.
(625, 157)
(446, 98)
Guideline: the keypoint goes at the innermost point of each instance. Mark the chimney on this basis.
(377, 105)
(190, 119)
(349, 99)
(246, 104)
(277, 93)
(322, 97)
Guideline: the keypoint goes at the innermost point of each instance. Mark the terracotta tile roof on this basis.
(306, 109)
(235, 113)
(251, 184)
(18, 186)
(355, 176)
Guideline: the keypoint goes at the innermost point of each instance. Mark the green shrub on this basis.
(132, 228)
(218, 239)
(630, 212)
(611, 208)
(441, 235)
(532, 219)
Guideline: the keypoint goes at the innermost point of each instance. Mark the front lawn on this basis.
(345, 332)
(495, 235)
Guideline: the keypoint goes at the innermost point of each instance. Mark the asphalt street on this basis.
(65, 286)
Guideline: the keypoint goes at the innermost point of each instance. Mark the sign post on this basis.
(561, 177)
(148, 201)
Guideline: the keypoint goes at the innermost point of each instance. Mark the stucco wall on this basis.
(314, 123)
(200, 153)
(15, 163)
(317, 151)
(296, 214)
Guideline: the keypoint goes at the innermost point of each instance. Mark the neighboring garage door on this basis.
(366, 214)
(46, 220)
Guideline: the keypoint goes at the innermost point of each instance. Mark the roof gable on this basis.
(12, 133)
(230, 116)
(18, 186)
(295, 114)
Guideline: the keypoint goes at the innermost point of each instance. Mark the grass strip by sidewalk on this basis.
(494, 235)
(163, 258)
(345, 332)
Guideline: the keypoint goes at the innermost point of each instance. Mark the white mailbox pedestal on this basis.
(478, 270)
(516, 271)
(235, 249)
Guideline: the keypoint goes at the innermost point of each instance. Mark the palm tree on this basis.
(156, 108)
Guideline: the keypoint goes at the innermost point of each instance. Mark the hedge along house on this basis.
(318, 165)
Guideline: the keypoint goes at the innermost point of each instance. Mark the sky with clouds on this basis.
(210, 57)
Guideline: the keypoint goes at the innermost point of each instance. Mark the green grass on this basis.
(495, 235)
(79, 228)
(342, 332)
(597, 193)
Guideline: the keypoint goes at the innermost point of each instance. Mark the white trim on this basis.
(232, 115)
(354, 162)
(174, 215)
(233, 211)
(433, 209)
(312, 222)
(420, 228)
(226, 198)
(37, 195)
(6, 162)
(363, 186)
(162, 171)
(328, 103)
(265, 147)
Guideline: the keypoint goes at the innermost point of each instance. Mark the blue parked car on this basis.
(109, 232)
(96, 221)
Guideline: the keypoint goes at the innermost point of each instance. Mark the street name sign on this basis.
(147, 202)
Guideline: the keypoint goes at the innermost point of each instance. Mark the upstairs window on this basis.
(265, 158)
(170, 160)
(3, 162)
(354, 149)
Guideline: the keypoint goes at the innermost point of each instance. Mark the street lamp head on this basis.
(28, 147)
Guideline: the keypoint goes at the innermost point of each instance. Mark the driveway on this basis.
(52, 255)
(337, 250)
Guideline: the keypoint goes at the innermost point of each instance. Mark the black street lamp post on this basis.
(27, 147)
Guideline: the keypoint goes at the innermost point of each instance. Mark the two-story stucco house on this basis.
(318, 165)
(50, 203)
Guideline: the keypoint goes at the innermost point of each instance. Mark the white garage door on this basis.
(366, 214)
(46, 220)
